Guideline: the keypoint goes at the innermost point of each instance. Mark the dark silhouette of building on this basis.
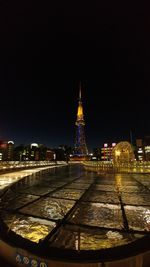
(33, 152)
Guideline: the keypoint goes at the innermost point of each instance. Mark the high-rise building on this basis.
(80, 142)
(10, 150)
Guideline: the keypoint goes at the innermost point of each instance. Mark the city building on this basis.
(33, 152)
(6, 150)
(142, 151)
(139, 151)
(106, 151)
(96, 155)
(10, 150)
(147, 148)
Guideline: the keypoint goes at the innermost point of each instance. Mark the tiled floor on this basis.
(78, 210)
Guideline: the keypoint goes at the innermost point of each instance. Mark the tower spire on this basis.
(80, 91)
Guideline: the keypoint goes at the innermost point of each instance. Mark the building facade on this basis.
(142, 150)
(106, 151)
(6, 150)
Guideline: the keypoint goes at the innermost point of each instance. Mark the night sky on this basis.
(45, 50)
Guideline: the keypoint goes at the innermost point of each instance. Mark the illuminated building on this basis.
(10, 150)
(80, 142)
(123, 153)
(139, 150)
(147, 152)
(106, 151)
(3, 150)
(143, 149)
(6, 150)
(147, 148)
(33, 152)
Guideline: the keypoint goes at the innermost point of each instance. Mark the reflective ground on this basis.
(70, 208)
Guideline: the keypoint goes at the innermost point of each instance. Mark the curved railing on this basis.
(10, 165)
(108, 166)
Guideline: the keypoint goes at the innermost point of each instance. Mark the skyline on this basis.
(45, 51)
(98, 141)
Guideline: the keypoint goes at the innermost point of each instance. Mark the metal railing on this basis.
(9, 165)
(108, 166)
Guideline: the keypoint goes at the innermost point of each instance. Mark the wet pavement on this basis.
(71, 208)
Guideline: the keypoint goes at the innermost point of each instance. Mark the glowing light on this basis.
(147, 149)
(11, 142)
(80, 112)
(113, 144)
(117, 153)
(34, 144)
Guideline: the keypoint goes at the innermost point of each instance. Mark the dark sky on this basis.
(46, 49)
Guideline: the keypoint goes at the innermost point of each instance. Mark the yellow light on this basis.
(80, 111)
(117, 153)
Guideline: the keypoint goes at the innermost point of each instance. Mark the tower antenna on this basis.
(131, 138)
(80, 91)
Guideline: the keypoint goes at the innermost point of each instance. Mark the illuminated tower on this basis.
(80, 143)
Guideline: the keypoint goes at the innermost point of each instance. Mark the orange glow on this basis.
(80, 112)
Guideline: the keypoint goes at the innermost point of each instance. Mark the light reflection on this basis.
(99, 213)
(10, 178)
(138, 217)
(49, 208)
(85, 239)
(118, 180)
(29, 227)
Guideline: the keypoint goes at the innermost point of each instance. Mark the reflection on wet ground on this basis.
(103, 196)
(138, 217)
(29, 227)
(49, 208)
(68, 193)
(17, 202)
(98, 214)
(82, 238)
(68, 207)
